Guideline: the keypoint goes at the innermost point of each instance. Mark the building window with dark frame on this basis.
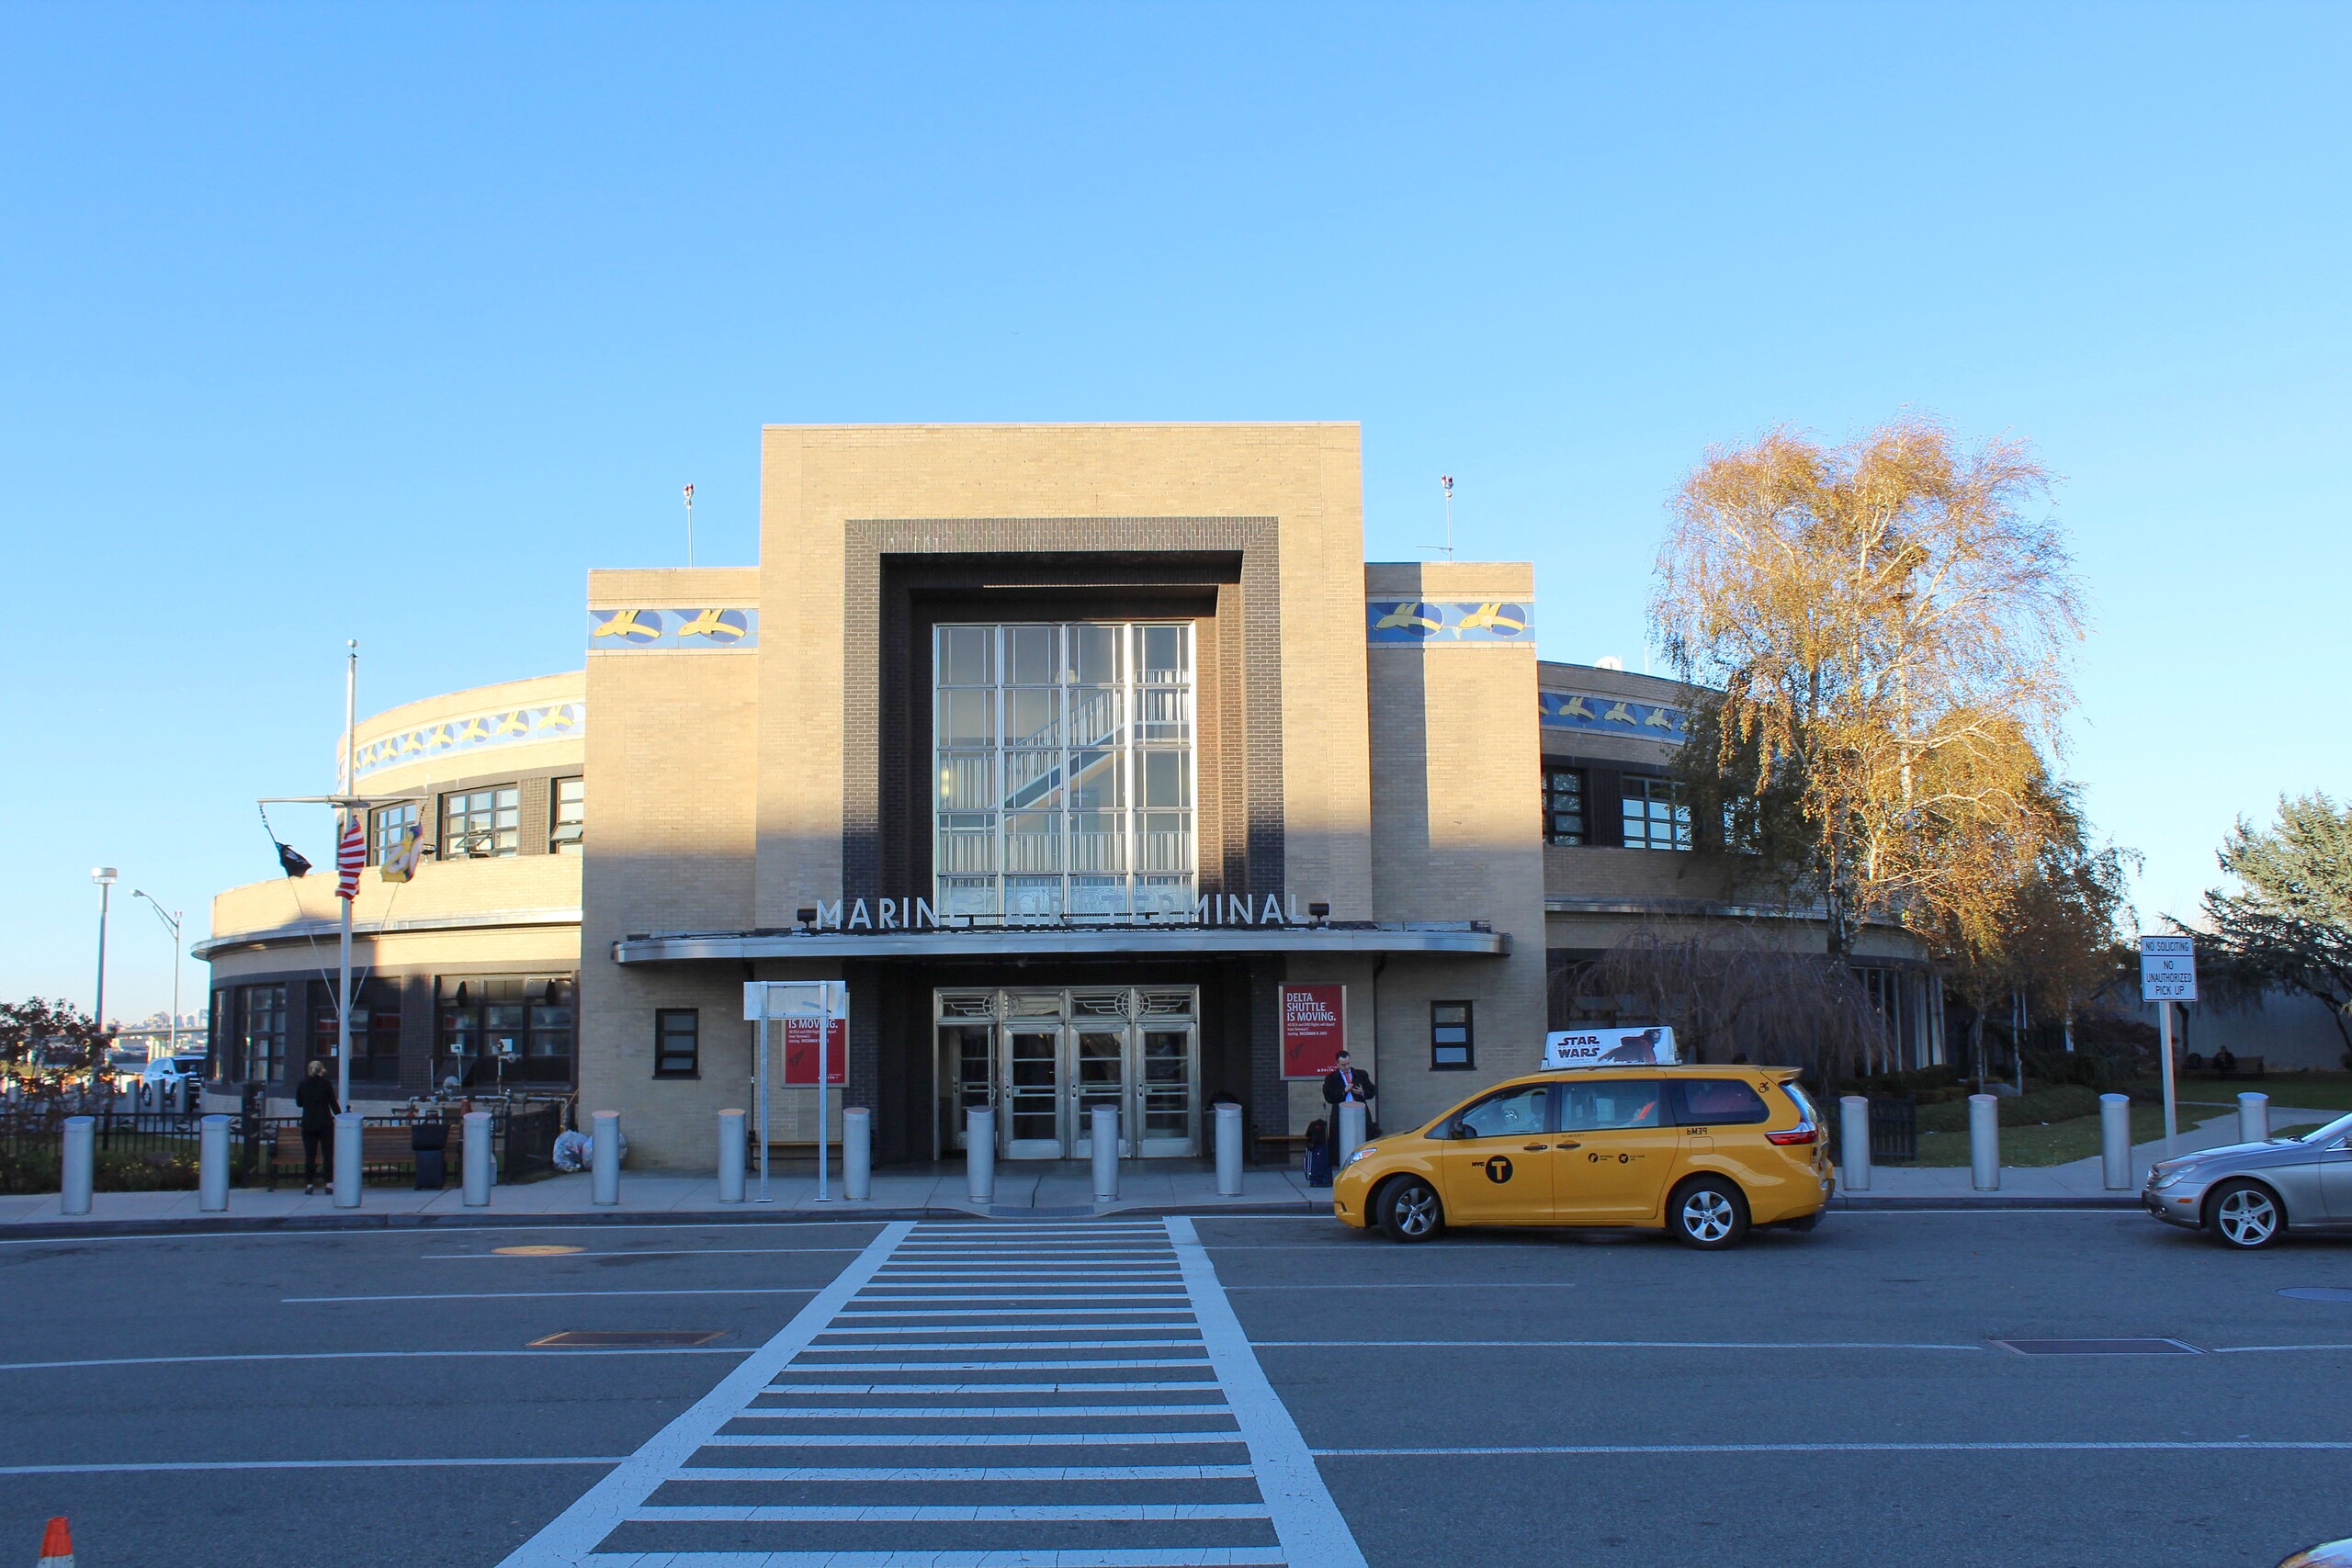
(1563, 806)
(500, 1029)
(481, 823)
(677, 1042)
(567, 815)
(1657, 816)
(1452, 1048)
(260, 1041)
(375, 1028)
(385, 826)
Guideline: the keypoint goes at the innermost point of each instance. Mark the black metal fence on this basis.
(1894, 1129)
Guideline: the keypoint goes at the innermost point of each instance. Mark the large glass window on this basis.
(500, 1030)
(261, 1032)
(567, 815)
(375, 1028)
(1655, 815)
(385, 826)
(1563, 806)
(481, 822)
(1063, 755)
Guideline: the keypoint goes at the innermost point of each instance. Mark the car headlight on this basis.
(2172, 1178)
(1367, 1149)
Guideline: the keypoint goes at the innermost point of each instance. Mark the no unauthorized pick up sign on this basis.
(2167, 969)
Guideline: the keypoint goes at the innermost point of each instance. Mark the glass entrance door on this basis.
(1046, 1059)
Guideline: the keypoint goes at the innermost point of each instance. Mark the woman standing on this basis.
(315, 1096)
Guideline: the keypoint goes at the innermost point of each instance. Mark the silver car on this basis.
(2251, 1194)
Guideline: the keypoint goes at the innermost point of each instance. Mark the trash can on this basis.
(429, 1141)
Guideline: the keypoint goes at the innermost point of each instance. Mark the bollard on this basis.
(604, 1179)
(347, 1160)
(79, 1164)
(1106, 1153)
(731, 1146)
(1351, 1121)
(2115, 1142)
(979, 1153)
(1985, 1143)
(857, 1153)
(2254, 1118)
(482, 1165)
(1228, 1151)
(1854, 1143)
(180, 1096)
(212, 1165)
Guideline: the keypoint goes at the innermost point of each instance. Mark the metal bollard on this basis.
(1854, 1143)
(482, 1165)
(1985, 1143)
(979, 1153)
(212, 1165)
(2115, 1142)
(732, 1145)
(1352, 1124)
(857, 1153)
(79, 1164)
(1105, 1133)
(2254, 1118)
(180, 1098)
(347, 1160)
(604, 1163)
(1228, 1151)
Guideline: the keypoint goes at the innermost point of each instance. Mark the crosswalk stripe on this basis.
(938, 1328)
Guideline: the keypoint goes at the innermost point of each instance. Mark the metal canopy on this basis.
(1459, 938)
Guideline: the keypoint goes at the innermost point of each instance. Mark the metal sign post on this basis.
(815, 1003)
(2167, 975)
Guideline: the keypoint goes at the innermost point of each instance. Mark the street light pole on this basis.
(171, 924)
(103, 876)
(350, 804)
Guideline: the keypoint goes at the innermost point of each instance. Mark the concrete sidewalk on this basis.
(2076, 1184)
(1056, 1190)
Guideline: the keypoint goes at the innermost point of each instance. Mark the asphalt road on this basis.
(1836, 1398)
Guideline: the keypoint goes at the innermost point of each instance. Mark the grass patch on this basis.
(2062, 1142)
(2312, 1091)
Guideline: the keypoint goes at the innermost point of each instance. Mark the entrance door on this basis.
(967, 1068)
(1166, 1096)
(1098, 1076)
(1032, 1097)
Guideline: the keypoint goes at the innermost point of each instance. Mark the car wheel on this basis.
(1409, 1210)
(1709, 1214)
(2245, 1214)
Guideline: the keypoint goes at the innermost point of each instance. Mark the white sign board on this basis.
(779, 999)
(1610, 1047)
(2167, 969)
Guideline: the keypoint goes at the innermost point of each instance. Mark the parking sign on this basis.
(2167, 969)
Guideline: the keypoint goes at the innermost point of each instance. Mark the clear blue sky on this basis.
(390, 323)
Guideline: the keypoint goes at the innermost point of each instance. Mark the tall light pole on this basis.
(171, 920)
(103, 876)
(351, 806)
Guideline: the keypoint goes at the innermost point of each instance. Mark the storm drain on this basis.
(615, 1338)
(2100, 1347)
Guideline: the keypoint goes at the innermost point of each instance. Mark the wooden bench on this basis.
(382, 1151)
(1279, 1148)
(2242, 1068)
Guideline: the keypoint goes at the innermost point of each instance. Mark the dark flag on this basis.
(291, 859)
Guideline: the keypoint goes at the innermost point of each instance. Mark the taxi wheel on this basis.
(1709, 1214)
(2245, 1214)
(1409, 1210)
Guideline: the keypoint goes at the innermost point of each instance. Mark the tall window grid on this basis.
(385, 827)
(1063, 757)
(1563, 806)
(567, 815)
(481, 822)
(1655, 815)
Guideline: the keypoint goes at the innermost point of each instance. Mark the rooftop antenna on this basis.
(1447, 481)
(690, 524)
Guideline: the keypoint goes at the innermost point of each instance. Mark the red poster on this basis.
(1315, 1028)
(800, 1053)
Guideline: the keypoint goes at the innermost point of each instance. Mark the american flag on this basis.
(350, 856)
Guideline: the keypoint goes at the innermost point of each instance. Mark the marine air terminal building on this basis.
(1076, 751)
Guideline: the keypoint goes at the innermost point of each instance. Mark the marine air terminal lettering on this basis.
(916, 915)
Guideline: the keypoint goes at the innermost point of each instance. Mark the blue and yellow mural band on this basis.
(1612, 716)
(476, 732)
(678, 631)
(1427, 620)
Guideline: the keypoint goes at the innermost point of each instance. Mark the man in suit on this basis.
(1343, 1085)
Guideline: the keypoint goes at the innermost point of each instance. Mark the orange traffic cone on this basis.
(57, 1545)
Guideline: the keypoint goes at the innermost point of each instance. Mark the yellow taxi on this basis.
(1703, 1153)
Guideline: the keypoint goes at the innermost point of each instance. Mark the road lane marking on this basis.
(550, 1295)
(419, 1233)
(644, 1252)
(574, 1533)
(1307, 1520)
(968, 1412)
(378, 1355)
(948, 1513)
(999, 1473)
(299, 1464)
(970, 1440)
(1605, 1345)
(2241, 1445)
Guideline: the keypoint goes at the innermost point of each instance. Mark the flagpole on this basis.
(350, 788)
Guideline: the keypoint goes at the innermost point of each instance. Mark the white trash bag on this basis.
(576, 1151)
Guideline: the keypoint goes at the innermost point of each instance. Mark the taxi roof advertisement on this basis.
(1653, 1047)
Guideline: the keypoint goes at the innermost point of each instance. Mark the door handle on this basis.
(1534, 1148)
(1569, 1146)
